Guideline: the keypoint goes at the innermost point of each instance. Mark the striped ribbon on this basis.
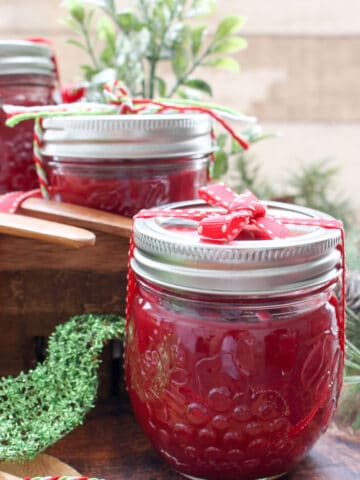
(39, 160)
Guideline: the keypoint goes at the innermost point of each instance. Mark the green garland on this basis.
(40, 407)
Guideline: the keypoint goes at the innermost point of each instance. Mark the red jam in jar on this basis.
(26, 78)
(125, 163)
(234, 354)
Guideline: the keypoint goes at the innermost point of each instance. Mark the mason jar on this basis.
(234, 351)
(124, 163)
(27, 78)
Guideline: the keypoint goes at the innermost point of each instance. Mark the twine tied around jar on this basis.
(244, 214)
(119, 101)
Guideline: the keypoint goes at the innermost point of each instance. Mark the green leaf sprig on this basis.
(135, 46)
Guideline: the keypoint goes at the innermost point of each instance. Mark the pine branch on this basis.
(349, 407)
(314, 185)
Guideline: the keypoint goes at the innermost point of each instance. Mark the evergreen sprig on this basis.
(349, 410)
(130, 45)
(313, 185)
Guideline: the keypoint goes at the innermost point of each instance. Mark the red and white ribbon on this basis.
(240, 213)
(11, 202)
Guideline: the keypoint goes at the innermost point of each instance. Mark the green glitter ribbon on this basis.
(41, 406)
(18, 114)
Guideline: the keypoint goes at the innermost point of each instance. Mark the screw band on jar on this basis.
(26, 57)
(315, 247)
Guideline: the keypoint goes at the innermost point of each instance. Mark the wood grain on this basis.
(111, 445)
(108, 255)
(287, 78)
(51, 232)
(70, 214)
(336, 143)
(43, 285)
(293, 78)
(295, 17)
(8, 476)
(43, 465)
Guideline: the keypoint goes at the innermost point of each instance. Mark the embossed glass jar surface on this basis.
(125, 163)
(26, 78)
(233, 385)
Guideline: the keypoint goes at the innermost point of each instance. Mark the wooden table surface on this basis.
(110, 445)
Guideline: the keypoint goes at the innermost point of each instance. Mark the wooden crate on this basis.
(42, 285)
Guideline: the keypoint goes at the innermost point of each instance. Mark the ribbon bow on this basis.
(242, 214)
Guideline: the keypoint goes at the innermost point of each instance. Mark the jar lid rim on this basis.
(153, 227)
(24, 48)
(280, 260)
(132, 136)
(149, 120)
(25, 57)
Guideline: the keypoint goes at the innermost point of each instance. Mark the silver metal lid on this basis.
(128, 136)
(170, 253)
(26, 58)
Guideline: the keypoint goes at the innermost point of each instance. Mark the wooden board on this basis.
(42, 466)
(111, 445)
(42, 285)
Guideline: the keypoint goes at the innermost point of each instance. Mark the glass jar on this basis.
(27, 78)
(234, 352)
(125, 163)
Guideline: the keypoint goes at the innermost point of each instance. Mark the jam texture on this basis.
(225, 392)
(126, 187)
(17, 169)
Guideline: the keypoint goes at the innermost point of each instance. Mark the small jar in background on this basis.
(234, 352)
(125, 163)
(27, 78)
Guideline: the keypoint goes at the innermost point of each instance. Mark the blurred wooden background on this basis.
(300, 75)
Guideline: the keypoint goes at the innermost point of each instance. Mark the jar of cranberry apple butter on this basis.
(123, 163)
(27, 78)
(235, 335)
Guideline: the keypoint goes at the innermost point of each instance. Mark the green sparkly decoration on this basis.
(40, 407)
